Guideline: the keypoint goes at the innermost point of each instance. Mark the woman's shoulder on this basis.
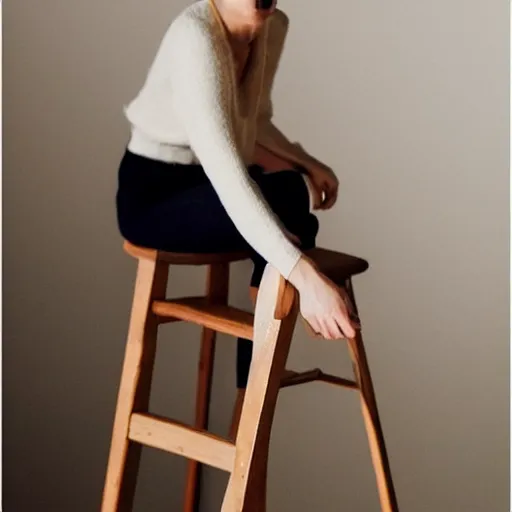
(192, 40)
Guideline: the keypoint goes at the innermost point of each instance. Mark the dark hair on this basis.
(264, 5)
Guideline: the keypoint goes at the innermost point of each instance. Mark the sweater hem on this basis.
(141, 145)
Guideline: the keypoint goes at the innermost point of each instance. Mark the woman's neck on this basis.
(241, 29)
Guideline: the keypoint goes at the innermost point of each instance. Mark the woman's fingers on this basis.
(332, 328)
(342, 318)
(314, 325)
(315, 193)
(322, 304)
(331, 199)
(324, 328)
(331, 195)
(335, 333)
(340, 323)
(335, 328)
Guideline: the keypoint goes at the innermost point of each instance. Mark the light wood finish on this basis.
(286, 296)
(198, 310)
(135, 386)
(295, 378)
(180, 439)
(337, 266)
(237, 412)
(387, 496)
(257, 486)
(272, 338)
(253, 294)
(217, 291)
(246, 458)
(179, 258)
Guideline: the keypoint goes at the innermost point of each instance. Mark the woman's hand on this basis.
(322, 181)
(325, 183)
(322, 305)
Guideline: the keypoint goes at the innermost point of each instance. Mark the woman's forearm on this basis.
(273, 140)
(261, 155)
(269, 160)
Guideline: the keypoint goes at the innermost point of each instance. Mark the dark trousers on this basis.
(173, 207)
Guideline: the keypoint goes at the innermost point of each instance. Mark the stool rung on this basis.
(292, 378)
(182, 440)
(220, 318)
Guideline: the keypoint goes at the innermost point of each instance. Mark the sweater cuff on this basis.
(286, 263)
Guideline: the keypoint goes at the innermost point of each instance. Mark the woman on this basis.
(206, 170)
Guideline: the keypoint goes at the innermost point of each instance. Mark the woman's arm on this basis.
(270, 161)
(201, 99)
(273, 140)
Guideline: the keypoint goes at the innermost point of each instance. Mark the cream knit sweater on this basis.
(191, 110)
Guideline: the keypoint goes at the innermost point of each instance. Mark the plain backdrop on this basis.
(408, 101)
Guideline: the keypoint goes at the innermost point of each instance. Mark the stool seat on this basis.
(183, 258)
(337, 266)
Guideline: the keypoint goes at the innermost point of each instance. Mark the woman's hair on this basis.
(264, 5)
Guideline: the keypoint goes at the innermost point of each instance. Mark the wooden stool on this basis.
(271, 329)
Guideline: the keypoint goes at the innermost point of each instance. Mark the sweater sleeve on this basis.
(200, 92)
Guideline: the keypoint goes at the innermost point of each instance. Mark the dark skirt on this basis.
(174, 207)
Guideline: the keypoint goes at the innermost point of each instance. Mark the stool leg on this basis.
(216, 291)
(237, 411)
(272, 339)
(258, 481)
(387, 496)
(256, 491)
(257, 487)
(135, 386)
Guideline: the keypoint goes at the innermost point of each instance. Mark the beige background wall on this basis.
(408, 102)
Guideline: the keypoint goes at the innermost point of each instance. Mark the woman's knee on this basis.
(296, 214)
(297, 193)
(308, 231)
(288, 196)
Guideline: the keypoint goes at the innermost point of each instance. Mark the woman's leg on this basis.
(192, 220)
